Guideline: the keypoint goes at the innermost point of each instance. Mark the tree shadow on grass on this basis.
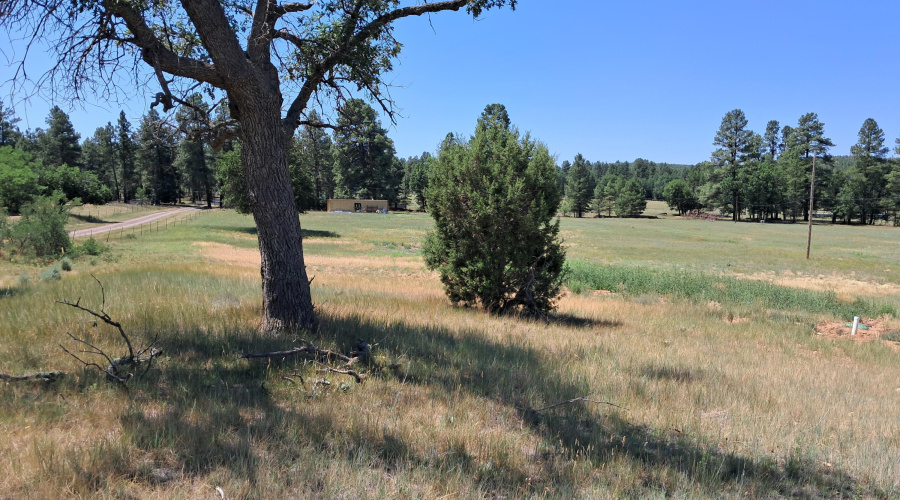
(523, 378)
(89, 218)
(209, 409)
(11, 291)
(573, 321)
(305, 233)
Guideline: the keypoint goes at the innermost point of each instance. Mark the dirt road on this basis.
(91, 231)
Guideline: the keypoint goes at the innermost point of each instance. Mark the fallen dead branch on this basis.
(361, 353)
(308, 350)
(290, 378)
(326, 368)
(42, 376)
(114, 370)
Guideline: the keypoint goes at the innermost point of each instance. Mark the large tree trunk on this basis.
(287, 302)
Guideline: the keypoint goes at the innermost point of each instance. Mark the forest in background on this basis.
(171, 159)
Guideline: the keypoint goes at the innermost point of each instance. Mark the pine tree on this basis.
(191, 158)
(494, 199)
(872, 168)
(579, 187)
(59, 143)
(606, 192)
(364, 155)
(9, 131)
(156, 148)
(416, 174)
(801, 144)
(735, 146)
(126, 150)
(773, 141)
(315, 152)
(630, 201)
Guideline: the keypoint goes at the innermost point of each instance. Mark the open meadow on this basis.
(701, 337)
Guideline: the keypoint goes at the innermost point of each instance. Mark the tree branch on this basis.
(308, 350)
(349, 40)
(220, 41)
(352, 373)
(155, 53)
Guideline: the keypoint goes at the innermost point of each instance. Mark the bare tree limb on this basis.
(156, 54)
(309, 349)
(352, 373)
(102, 316)
(144, 355)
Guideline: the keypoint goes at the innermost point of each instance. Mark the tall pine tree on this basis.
(364, 165)
(579, 187)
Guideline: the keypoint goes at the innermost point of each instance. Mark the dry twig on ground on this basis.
(113, 370)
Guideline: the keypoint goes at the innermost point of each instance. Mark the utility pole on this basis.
(812, 190)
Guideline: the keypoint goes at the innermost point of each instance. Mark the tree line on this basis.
(170, 161)
(749, 175)
(768, 176)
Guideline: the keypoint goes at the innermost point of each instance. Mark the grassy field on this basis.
(700, 334)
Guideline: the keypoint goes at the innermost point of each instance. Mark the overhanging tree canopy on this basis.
(273, 60)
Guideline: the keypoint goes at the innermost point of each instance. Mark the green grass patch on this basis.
(699, 287)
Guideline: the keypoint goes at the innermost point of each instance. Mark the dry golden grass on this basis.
(717, 401)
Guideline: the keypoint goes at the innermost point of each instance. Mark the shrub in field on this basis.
(42, 229)
(494, 199)
(51, 274)
(66, 264)
(90, 247)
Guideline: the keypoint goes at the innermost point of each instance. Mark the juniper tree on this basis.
(494, 200)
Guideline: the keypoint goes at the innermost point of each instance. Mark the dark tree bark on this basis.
(287, 302)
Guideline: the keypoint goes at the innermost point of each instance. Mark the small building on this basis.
(367, 206)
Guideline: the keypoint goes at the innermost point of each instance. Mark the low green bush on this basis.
(66, 264)
(51, 274)
(41, 231)
(90, 247)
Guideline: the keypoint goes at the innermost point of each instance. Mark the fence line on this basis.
(169, 222)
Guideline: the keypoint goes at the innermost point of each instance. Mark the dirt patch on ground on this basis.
(870, 329)
(231, 254)
(840, 285)
(249, 257)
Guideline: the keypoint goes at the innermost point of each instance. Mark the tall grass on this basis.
(709, 409)
(699, 287)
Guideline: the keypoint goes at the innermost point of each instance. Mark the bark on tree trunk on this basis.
(287, 302)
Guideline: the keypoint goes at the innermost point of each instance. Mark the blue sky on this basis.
(621, 80)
